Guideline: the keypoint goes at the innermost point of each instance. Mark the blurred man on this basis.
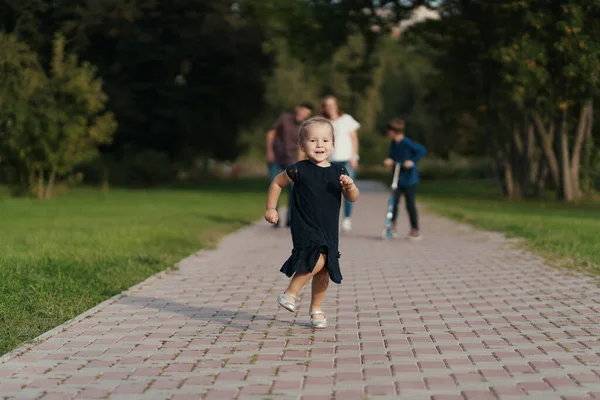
(282, 145)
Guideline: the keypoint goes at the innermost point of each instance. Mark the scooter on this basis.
(387, 231)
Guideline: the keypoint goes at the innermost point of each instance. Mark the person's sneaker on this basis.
(346, 224)
(414, 234)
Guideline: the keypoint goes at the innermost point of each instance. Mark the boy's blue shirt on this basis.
(404, 150)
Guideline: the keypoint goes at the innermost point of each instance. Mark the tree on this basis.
(182, 76)
(289, 82)
(72, 115)
(556, 72)
(21, 76)
(548, 79)
(528, 71)
(63, 122)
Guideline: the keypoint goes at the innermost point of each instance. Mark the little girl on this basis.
(318, 186)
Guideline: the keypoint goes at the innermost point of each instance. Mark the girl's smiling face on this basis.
(318, 143)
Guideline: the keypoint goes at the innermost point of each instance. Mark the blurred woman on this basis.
(345, 151)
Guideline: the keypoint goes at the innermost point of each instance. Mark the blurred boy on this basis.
(406, 153)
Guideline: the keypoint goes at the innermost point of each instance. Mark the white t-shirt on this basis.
(342, 129)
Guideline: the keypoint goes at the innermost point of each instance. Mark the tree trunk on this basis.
(40, 184)
(499, 173)
(511, 189)
(27, 183)
(498, 165)
(535, 162)
(529, 159)
(565, 189)
(105, 180)
(531, 154)
(542, 176)
(521, 157)
(546, 137)
(588, 175)
(582, 128)
(50, 186)
(516, 161)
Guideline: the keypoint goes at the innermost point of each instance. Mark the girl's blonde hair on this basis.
(311, 121)
(322, 106)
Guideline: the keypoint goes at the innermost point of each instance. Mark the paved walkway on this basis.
(460, 315)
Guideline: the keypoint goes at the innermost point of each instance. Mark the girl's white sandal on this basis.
(318, 322)
(285, 303)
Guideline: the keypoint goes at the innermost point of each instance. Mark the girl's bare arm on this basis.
(349, 189)
(351, 194)
(280, 181)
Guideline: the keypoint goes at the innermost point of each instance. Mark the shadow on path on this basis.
(227, 318)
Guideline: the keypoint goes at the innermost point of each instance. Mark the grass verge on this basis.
(566, 234)
(61, 257)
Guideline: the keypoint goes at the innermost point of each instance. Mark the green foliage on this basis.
(60, 124)
(405, 92)
(590, 174)
(132, 167)
(339, 48)
(213, 69)
(552, 59)
(74, 120)
(315, 29)
(290, 81)
(27, 20)
(346, 71)
(185, 88)
(21, 79)
(291, 22)
(508, 66)
(396, 87)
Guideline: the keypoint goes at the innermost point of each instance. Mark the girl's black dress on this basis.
(315, 217)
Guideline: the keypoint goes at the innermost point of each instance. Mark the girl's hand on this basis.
(388, 162)
(353, 164)
(272, 216)
(408, 164)
(346, 182)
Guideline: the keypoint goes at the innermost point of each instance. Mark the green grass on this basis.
(565, 233)
(61, 257)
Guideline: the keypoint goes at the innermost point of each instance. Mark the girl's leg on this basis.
(299, 280)
(320, 277)
(320, 283)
